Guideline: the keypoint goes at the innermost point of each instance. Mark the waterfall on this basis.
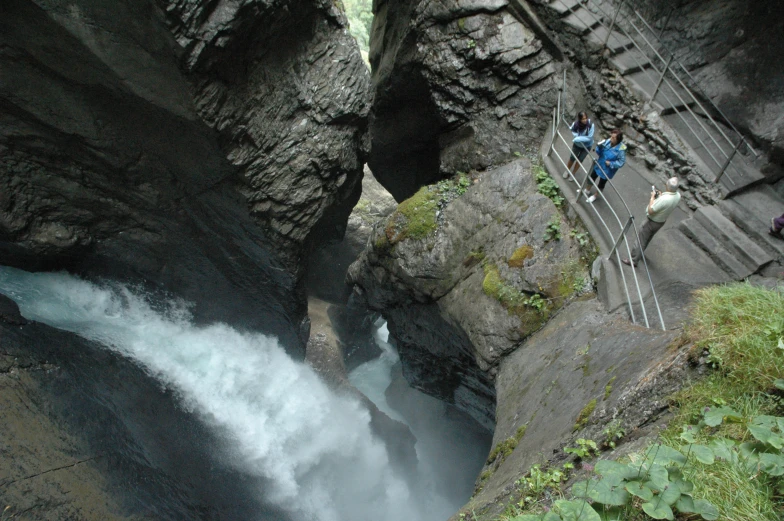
(282, 423)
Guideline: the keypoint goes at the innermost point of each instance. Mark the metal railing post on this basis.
(729, 159)
(554, 132)
(585, 181)
(621, 236)
(661, 78)
(612, 24)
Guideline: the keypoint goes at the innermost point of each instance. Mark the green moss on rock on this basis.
(520, 255)
(506, 447)
(420, 213)
(582, 418)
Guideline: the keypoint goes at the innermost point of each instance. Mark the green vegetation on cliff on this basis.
(720, 457)
(416, 217)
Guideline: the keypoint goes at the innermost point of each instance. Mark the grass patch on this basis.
(743, 328)
(723, 449)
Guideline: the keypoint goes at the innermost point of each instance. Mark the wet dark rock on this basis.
(435, 291)
(89, 435)
(286, 90)
(199, 158)
(327, 265)
(457, 86)
(9, 312)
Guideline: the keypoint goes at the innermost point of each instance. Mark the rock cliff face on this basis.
(201, 165)
(733, 48)
(462, 282)
(457, 86)
(285, 87)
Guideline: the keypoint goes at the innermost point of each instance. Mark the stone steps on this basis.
(581, 21)
(630, 61)
(564, 7)
(713, 149)
(616, 43)
(726, 244)
(671, 97)
(751, 211)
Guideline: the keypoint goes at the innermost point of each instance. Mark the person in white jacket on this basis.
(582, 130)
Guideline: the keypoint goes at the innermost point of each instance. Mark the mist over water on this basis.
(451, 446)
(282, 423)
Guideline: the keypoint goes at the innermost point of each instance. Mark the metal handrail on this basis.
(697, 85)
(662, 78)
(558, 119)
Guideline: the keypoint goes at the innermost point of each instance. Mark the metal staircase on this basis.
(634, 48)
(733, 233)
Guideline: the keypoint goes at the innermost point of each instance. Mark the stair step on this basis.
(700, 135)
(746, 219)
(630, 61)
(672, 97)
(581, 21)
(718, 253)
(616, 43)
(562, 7)
(742, 248)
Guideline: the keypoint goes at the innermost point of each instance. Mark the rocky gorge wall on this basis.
(193, 147)
(457, 85)
(732, 48)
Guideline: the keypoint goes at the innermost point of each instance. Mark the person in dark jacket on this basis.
(582, 142)
(611, 156)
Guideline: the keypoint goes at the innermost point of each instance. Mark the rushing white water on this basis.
(375, 376)
(284, 424)
(451, 447)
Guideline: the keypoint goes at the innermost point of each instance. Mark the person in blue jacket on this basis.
(611, 155)
(582, 130)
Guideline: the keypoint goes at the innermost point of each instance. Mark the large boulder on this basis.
(458, 85)
(464, 279)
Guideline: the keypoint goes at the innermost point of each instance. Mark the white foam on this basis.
(284, 424)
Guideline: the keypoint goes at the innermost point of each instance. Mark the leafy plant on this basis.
(582, 238)
(553, 230)
(547, 186)
(584, 450)
(613, 433)
(537, 302)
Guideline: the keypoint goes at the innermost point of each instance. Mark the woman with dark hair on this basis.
(582, 130)
(611, 155)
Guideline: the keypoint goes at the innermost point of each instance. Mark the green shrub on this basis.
(547, 186)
